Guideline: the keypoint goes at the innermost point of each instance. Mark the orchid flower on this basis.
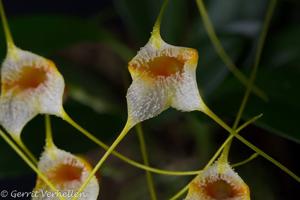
(66, 172)
(163, 76)
(218, 182)
(30, 85)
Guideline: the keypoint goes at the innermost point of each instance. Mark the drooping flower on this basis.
(163, 76)
(67, 173)
(30, 85)
(218, 182)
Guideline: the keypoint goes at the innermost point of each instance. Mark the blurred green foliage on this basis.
(96, 87)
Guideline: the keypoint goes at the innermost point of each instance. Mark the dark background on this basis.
(91, 42)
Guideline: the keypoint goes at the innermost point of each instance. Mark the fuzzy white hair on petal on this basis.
(67, 172)
(162, 77)
(218, 182)
(31, 85)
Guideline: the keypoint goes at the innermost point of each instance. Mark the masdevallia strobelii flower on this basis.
(218, 182)
(30, 85)
(163, 76)
(66, 172)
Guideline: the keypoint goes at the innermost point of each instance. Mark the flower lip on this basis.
(221, 189)
(218, 182)
(66, 173)
(163, 76)
(30, 77)
(160, 66)
(31, 85)
(158, 59)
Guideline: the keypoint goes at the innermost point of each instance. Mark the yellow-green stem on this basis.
(143, 148)
(218, 152)
(123, 133)
(25, 149)
(222, 53)
(248, 122)
(251, 146)
(156, 27)
(267, 157)
(9, 40)
(49, 139)
(261, 40)
(183, 190)
(253, 156)
(30, 164)
(90, 136)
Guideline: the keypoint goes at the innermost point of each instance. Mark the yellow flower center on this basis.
(161, 66)
(30, 78)
(65, 173)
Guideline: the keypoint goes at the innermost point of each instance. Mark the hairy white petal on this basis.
(149, 51)
(146, 100)
(150, 94)
(218, 171)
(19, 107)
(53, 158)
(186, 95)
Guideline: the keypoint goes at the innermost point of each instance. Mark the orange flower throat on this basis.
(30, 78)
(220, 189)
(161, 66)
(66, 173)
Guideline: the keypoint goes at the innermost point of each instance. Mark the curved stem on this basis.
(253, 156)
(49, 139)
(26, 150)
(222, 53)
(30, 164)
(9, 40)
(156, 27)
(269, 158)
(247, 123)
(123, 133)
(185, 189)
(143, 148)
(181, 192)
(224, 156)
(261, 41)
(155, 38)
(90, 136)
(251, 146)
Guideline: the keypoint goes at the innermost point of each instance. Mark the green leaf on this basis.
(283, 48)
(175, 22)
(281, 113)
(279, 77)
(224, 12)
(137, 16)
(47, 34)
